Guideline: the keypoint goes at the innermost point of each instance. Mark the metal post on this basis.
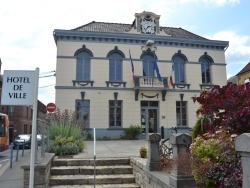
(11, 154)
(94, 160)
(17, 151)
(36, 153)
(23, 147)
(34, 119)
(162, 132)
(42, 147)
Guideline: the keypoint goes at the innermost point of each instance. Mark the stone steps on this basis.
(131, 185)
(90, 162)
(110, 173)
(89, 170)
(89, 179)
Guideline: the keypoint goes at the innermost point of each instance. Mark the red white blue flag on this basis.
(132, 67)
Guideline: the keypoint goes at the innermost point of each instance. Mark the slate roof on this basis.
(123, 28)
(245, 69)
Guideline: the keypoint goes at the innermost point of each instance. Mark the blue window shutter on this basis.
(115, 67)
(83, 66)
(79, 69)
(86, 69)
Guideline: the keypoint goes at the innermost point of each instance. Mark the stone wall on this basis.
(41, 172)
(148, 179)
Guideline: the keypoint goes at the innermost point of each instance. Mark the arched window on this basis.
(148, 64)
(83, 64)
(205, 68)
(115, 67)
(179, 67)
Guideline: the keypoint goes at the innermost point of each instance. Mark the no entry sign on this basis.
(51, 107)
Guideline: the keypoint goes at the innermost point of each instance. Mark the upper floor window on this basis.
(11, 110)
(179, 67)
(115, 67)
(83, 58)
(148, 64)
(206, 62)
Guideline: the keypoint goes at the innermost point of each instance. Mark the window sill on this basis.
(181, 85)
(206, 86)
(115, 128)
(115, 83)
(82, 82)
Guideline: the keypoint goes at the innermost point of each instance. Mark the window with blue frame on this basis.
(115, 67)
(148, 65)
(82, 112)
(206, 62)
(83, 66)
(179, 68)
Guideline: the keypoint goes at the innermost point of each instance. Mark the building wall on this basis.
(242, 77)
(99, 94)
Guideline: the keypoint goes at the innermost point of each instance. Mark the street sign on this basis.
(51, 107)
(18, 87)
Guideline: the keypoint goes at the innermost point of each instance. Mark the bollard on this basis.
(11, 154)
(153, 162)
(162, 132)
(17, 151)
(36, 153)
(23, 147)
(42, 147)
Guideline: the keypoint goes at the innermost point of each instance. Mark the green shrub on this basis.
(214, 161)
(65, 139)
(65, 135)
(132, 131)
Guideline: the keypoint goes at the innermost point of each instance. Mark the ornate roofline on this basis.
(129, 38)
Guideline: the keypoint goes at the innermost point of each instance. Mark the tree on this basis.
(227, 107)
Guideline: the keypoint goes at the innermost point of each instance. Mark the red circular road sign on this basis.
(51, 107)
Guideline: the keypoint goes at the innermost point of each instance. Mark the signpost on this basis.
(51, 107)
(21, 88)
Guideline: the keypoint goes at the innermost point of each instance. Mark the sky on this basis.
(26, 28)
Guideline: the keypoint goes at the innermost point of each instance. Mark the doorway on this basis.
(149, 117)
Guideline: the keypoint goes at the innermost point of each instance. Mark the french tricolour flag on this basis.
(132, 67)
(171, 79)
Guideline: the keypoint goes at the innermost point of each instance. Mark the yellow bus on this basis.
(4, 132)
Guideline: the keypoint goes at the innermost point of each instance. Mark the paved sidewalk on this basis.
(112, 148)
(13, 178)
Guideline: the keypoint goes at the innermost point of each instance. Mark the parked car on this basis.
(22, 139)
(39, 139)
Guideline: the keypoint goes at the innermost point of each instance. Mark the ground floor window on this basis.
(82, 111)
(181, 113)
(115, 113)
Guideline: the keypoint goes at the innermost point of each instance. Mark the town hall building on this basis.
(115, 75)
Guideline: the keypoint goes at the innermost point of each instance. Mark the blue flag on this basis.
(157, 71)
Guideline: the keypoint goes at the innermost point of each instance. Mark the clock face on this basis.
(148, 26)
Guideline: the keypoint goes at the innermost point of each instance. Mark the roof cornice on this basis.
(138, 39)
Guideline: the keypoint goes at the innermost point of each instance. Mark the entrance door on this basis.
(149, 120)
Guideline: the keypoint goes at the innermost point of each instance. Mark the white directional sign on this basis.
(18, 87)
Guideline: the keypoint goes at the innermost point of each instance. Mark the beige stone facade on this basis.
(147, 101)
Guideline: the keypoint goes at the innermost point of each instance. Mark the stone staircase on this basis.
(110, 173)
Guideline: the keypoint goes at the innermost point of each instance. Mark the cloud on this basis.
(217, 3)
(238, 52)
(239, 46)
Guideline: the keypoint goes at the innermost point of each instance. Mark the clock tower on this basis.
(147, 23)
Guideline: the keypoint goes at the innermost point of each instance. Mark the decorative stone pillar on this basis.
(153, 162)
(242, 145)
(181, 172)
